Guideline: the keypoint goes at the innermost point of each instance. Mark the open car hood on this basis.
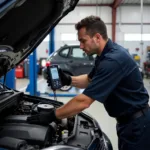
(24, 24)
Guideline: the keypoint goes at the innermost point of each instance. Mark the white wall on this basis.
(132, 14)
(128, 21)
(81, 12)
(41, 50)
(67, 24)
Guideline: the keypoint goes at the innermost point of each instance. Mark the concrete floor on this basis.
(96, 110)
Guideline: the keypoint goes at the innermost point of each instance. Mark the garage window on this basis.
(136, 37)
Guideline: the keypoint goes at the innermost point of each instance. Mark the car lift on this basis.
(10, 79)
(32, 86)
(51, 50)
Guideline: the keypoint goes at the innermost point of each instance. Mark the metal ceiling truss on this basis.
(114, 5)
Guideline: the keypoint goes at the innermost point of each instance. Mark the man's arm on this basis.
(81, 81)
(74, 106)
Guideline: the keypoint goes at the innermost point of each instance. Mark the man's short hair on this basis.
(93, 25)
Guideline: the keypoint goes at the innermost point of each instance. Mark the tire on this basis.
(66, 87)
(108, 142)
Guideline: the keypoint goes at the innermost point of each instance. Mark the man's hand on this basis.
(65, 78)
(43, 118)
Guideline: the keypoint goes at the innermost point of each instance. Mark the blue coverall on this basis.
(118, 84)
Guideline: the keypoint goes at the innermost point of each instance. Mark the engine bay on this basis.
(16, 126)
(17, 134)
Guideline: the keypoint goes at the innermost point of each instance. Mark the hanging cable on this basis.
(5, 73)
(5, 69)
(55, 97)
(4, 81)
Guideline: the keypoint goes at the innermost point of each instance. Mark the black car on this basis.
(72, 60)
(23, 26)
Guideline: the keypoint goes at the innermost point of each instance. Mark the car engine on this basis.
(77, 133)
(15, 127)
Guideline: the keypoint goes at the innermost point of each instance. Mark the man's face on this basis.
(90, 45)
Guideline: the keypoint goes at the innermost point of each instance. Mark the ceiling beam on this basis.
(137, 4)
(93, 5)
(116, 3)
(114, 6)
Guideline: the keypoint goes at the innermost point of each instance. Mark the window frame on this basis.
(71, 50)
(61, 50)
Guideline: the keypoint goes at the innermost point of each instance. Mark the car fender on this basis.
(66, 69)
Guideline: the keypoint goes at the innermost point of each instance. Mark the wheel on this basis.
(66, 87)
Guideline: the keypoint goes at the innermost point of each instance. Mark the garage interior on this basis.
(128, 24)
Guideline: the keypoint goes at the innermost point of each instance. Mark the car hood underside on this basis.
(24, 24)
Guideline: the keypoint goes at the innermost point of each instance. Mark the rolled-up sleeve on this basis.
(106, 77)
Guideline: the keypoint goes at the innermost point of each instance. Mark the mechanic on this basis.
(115, 81)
